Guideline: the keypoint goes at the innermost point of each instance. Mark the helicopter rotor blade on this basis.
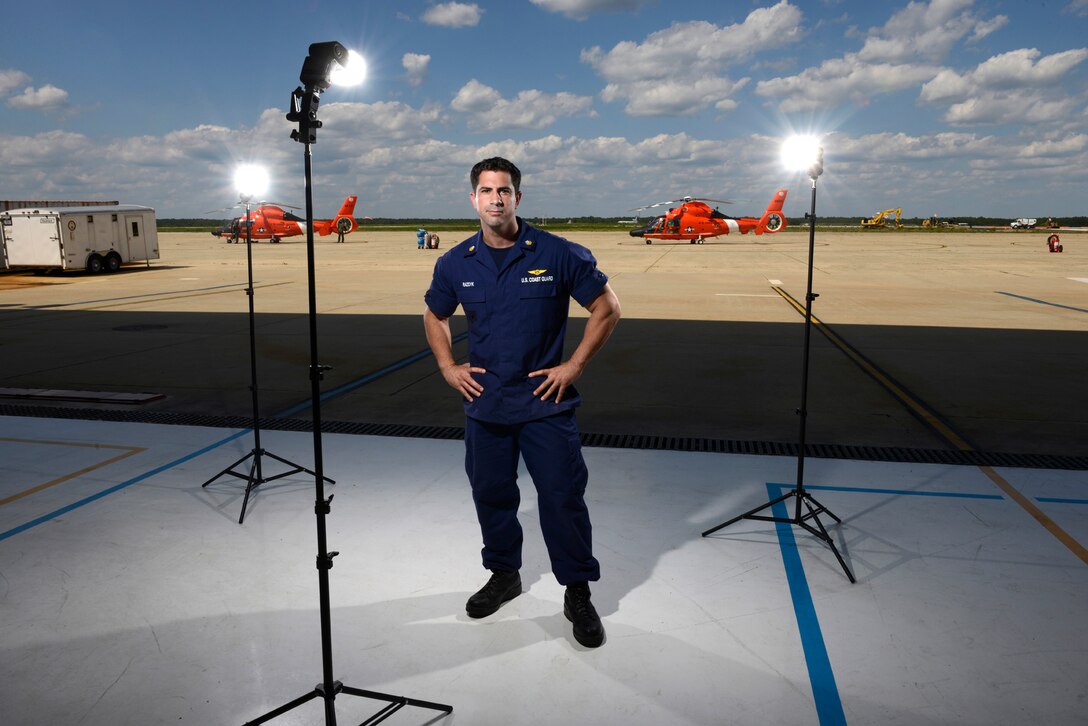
(682, 200)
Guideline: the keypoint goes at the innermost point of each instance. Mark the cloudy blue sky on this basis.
(953, 107)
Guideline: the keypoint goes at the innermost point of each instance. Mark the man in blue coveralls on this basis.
(514, 283)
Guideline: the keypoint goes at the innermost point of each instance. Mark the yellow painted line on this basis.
(924, 413)
(129, 451)
(945, 432)
(1029, 506)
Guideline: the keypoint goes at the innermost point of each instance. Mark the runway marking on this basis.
(1079, 279)
(943, 429)
(185, 296)
(129, 451)
(1042, 302)
(35, 311)
(136, 297)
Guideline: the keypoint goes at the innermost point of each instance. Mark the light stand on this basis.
(316, 77)
(798, 493)
(255, 476)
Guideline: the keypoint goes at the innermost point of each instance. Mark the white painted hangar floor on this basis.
(129, 594)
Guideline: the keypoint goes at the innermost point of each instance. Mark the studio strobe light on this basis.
(326, 64)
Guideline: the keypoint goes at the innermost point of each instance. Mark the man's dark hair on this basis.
(495, 163)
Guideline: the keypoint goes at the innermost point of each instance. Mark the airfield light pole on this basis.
(802, 153)
(252, 181)
(326, 64)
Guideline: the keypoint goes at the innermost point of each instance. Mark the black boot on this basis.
(580, 611)
(502, 586)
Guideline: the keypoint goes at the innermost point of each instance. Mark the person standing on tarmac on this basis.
(514, 283)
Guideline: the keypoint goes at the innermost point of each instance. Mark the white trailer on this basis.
(94, 239)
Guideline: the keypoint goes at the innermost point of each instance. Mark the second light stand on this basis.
(255, 476)
(813, 509)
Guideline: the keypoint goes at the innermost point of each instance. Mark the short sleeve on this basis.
(440, 297)
(587, 281)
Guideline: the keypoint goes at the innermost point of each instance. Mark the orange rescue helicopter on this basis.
(694, 220)
(271, 222)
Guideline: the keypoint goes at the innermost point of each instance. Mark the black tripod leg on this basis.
(250, 486)
(228, 470)
(749, 513)
(398, 701)
(284, 708)
(297, 467)
(820, 508)
(823, 534)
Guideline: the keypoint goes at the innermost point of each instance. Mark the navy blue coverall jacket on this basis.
(517, 316)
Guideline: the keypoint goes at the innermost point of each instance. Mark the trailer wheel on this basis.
(95, 264)
(113, 262)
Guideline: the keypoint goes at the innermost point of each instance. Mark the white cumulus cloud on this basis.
(415, 65)
(689, 57)
(46, 98)
(841, 80)
(454, 15)
(530, 109)
(1021, 86)
(10, 79)
(654, 98)
(901, 54)
(927, 31)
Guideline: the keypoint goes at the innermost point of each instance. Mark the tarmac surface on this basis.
(959, 340)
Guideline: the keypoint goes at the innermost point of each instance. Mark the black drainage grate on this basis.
(614, 441)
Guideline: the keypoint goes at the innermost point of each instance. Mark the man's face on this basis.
(494, 199)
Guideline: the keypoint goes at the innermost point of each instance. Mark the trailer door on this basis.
(137, 240)
(33, 240)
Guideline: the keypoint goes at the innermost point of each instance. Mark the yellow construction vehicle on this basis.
(880, 220)
(935, 223)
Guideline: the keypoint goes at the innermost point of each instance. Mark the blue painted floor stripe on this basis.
(902, 492)
(358, 382)
(119, 487)
(820, 676)
(339, 391)
(1061, 500)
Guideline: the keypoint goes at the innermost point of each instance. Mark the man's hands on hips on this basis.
(459, 377)
(557, 380)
